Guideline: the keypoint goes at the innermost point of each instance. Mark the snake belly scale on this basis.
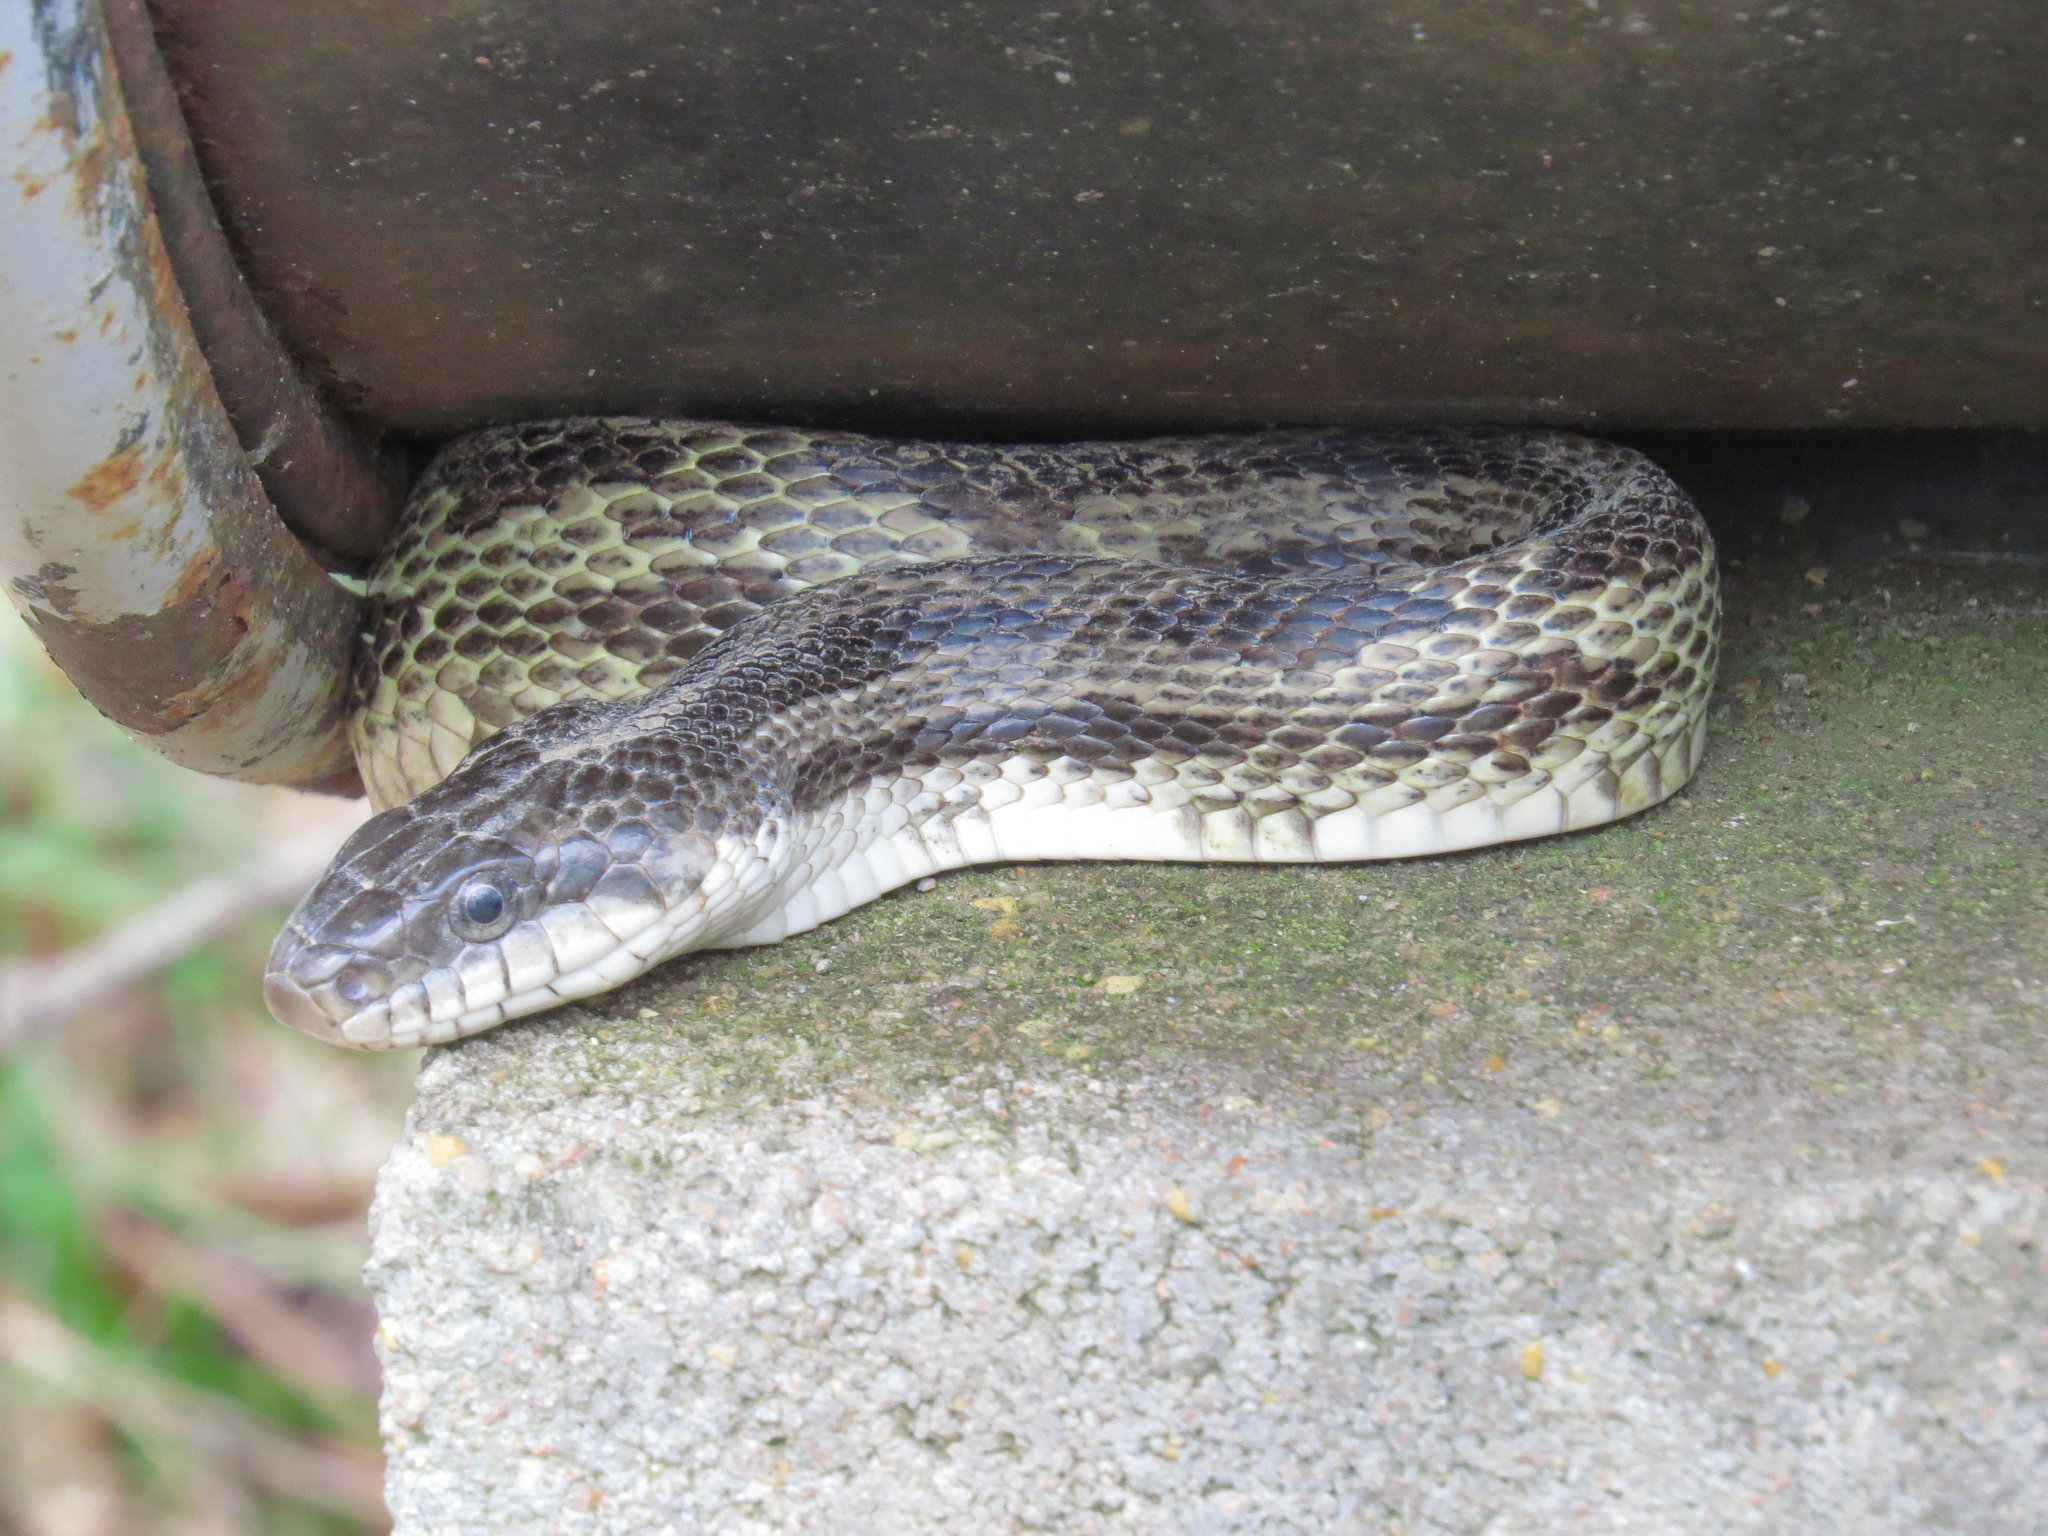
(634, 688)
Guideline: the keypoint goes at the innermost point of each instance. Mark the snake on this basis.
(629, 688)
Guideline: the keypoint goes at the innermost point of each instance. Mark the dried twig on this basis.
(37, 996)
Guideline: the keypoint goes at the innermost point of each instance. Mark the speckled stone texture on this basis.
(1182, 1199)
(617, 1301)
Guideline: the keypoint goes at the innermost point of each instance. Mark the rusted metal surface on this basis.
(1013, 217)
(134, 535)
(330, 480)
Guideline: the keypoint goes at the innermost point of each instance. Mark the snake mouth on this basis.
(423, 940)
(368, 1002)
(291, 1004)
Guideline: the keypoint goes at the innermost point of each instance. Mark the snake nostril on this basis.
(309, 964)
(361, 984)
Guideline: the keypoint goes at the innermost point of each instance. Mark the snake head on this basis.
(525, 879)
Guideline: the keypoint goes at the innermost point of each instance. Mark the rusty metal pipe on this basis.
(334, 485)
(134, 534)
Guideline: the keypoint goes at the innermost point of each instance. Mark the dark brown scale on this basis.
(795, 496)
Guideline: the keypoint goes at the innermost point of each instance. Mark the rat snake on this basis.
(631, 687)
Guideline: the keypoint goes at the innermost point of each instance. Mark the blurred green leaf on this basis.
(47, 1250)
(150, 1109)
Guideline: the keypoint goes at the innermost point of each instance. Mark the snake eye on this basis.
(482, 910)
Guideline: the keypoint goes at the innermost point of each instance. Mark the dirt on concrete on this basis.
(1857, 876)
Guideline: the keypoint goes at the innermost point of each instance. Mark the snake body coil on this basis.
(1317, 645)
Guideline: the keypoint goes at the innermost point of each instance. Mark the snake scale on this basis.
(632, 688)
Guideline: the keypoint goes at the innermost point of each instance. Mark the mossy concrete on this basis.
(1860, 867)
(1738, 1104)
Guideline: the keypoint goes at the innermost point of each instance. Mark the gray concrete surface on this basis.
(1684, 1176)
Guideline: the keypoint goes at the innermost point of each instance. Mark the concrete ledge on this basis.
(1061, 1304)
(1684, 1176)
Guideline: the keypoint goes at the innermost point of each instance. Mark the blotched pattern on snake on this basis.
(633, 688)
